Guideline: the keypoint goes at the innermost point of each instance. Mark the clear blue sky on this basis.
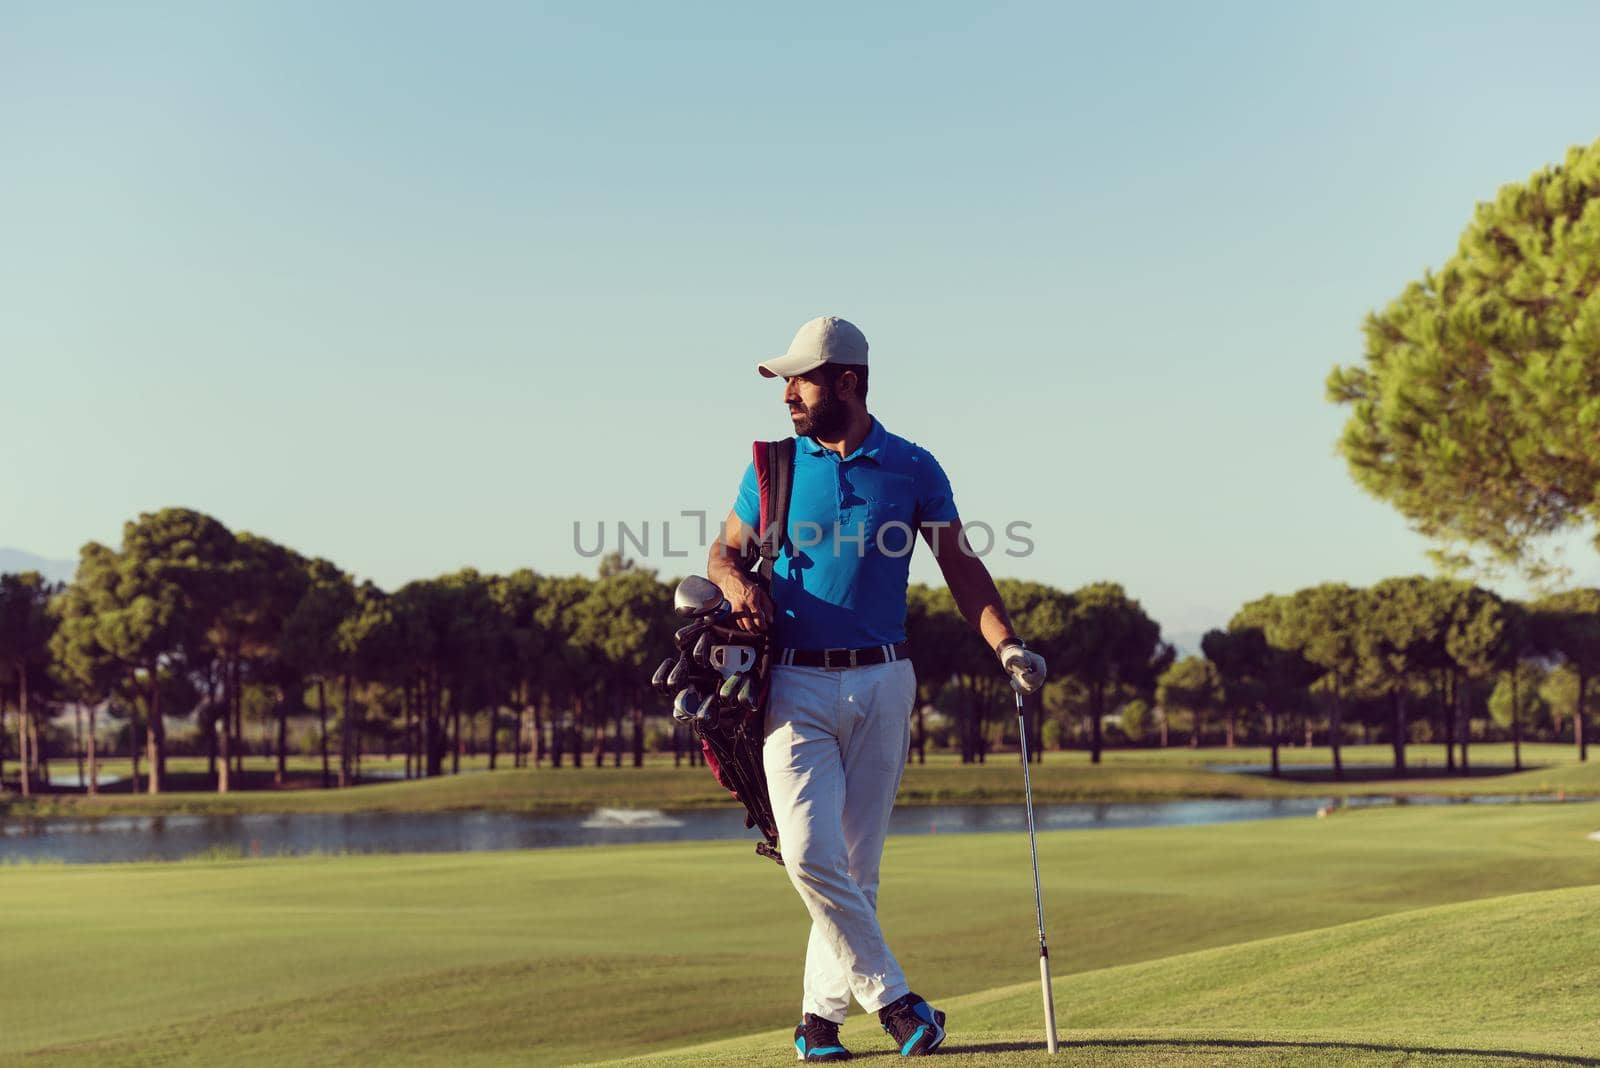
(417, 286)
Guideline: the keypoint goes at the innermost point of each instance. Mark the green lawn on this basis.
(570, 955)
(1125, 775)
(1504, 980)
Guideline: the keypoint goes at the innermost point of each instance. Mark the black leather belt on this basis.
(839, 659)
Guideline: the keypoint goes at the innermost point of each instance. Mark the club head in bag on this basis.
(706, 715)
(686, 704)
(702, 651)
(658, 681)
(689, 633)
(730, 687)
(696, 597)
(679, 673)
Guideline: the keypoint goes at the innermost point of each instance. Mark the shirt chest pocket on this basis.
(890, 528)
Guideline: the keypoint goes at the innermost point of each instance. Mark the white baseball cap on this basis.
(828, 339)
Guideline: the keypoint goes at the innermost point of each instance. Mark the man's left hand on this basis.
(1025, 666)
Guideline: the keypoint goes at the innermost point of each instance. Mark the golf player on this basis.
(838, 715)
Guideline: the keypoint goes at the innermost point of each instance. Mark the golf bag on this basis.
(720, 675)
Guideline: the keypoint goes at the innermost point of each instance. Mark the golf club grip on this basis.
(1049, 1004)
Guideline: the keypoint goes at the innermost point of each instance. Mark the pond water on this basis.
(85, 840)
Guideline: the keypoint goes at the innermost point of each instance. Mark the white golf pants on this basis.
(836, 747)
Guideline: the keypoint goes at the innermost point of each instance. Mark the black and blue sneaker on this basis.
(916, 1027)
(817, 1039)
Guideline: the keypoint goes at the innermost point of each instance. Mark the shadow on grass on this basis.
(974, 1048)
(1197, 1044)
(999, 1047)
(1267, 1044)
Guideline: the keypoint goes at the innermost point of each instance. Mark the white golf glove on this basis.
(1025, 666)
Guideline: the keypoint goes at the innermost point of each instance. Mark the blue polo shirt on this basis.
(840, 579)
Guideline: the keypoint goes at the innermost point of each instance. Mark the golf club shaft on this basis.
(1038, 896)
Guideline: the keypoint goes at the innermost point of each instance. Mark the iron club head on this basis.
(706, 715)
(686, 704)
(658, 681)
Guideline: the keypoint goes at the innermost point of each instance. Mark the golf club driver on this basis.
(1038, 897)
(696, 597)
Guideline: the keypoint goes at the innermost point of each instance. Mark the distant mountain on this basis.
(55, 570)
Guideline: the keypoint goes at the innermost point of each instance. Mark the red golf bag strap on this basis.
(774, 461)
(715, 764)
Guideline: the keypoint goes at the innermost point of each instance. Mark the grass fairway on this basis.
(1507, 980)
(1126, 775)
(577, 955)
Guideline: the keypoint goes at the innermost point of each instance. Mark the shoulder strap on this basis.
(774, 461)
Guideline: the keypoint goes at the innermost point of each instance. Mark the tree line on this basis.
(188, 621)
(1405, 656)
(1407, 659)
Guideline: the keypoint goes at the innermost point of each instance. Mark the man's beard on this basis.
(826, 420)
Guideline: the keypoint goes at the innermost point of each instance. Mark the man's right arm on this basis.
(752, 608)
